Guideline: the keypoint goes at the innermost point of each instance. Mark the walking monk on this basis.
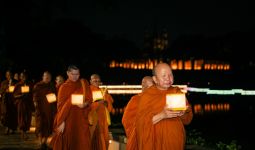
(158, 127)
(24, 101)
(44, 110)
(101, 120)
(71, 126)
(128, 119)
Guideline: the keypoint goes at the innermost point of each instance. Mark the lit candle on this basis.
(51, 97)
(77, 99)
(97, 95)
(176, 101)
(11, 89)
(24, 89)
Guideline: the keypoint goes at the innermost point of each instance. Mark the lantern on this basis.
(51, 97)
(11, 88)
(24, 89)
(97, 95)
(176, 101)
(77, 99)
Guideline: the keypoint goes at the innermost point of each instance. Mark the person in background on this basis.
(59, 81)
(44, 110)
(24, 102)
(101, 118)
(8, 108)
(129, 115)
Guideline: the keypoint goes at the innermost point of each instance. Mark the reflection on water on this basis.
(218, 117)
(201, 109)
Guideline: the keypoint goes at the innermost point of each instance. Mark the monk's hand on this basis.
(61, 128)
(83, 105)
(171, 113)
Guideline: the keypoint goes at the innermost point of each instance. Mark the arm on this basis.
(166, 113)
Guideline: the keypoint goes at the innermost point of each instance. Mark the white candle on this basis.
(51, 97)
(77, 99)
(11, 89)
(97, 95)
(24, 89)
(176, 101)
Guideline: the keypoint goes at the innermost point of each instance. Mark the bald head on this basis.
(163, 76)
(147, 82)
(95, 80)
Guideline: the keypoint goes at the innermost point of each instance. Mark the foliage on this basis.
(194, 138)
(232, 146)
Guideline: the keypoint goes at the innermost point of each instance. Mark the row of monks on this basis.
(20, 98)
(79, 118)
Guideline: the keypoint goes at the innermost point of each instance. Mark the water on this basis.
(218, 117)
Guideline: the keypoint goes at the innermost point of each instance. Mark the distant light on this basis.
(135, 89)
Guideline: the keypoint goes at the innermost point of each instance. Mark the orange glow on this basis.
(175, 64)
(188, 65)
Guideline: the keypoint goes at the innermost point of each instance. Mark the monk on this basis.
(158, 127)
(59, 81)
(71, 126)
(44, 110)
(8, 108)
(99, 128)
(24, 103)
(129, 115)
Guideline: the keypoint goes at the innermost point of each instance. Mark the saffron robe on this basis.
(128, 121)
(167, 134)
(76, 134)
(44, 111)
(25, 105)
(100, 133)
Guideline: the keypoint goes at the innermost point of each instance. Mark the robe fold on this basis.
(128, 121)
(167, 134)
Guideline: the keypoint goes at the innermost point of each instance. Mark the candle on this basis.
(77, 99)
(176, 101)
(51, 97)
(97, 95)
(11, 89)
(24, 89)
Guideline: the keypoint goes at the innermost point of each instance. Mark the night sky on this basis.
(131, 18)
(36, 34)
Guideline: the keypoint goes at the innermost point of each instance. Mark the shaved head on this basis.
(95, 80)
(147, 82)
(163, 76)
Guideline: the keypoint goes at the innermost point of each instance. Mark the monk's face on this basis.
(73, 75)
(46, 77)
(164, 77)
(95, 80)
(59, 80)
(8, 75)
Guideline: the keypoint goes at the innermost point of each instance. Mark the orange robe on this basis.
(8, 114)
(167, 134)
(25, 106)
(100, 138)
(128, 121)
(76, 135)
(44, 111)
